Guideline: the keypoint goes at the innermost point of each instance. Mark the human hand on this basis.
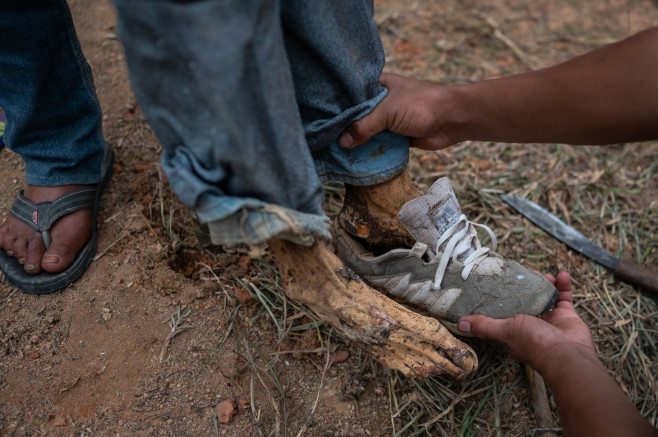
(411, 108)
(541, 341)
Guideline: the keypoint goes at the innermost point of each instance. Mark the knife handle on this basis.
(635, 274)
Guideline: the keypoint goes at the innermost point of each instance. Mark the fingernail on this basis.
(464, 326)
(345, 140)
(30, 267)
(51, 259)
(21, 261)
(10, 253)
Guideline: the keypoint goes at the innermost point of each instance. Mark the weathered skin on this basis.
(398, 338)
(371, 212)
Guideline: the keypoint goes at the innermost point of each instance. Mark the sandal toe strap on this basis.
(41, 216)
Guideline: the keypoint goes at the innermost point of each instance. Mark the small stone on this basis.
(243, 404)
(226, 411)
(243, 296)
(244, 261)
(58, 421)
(339, 357)
(35, 355)
(107, 316)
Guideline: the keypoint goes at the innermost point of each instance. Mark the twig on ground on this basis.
(176, 318)
(104, 251)
(452, 405)
(255, 370)
(540, 401)
(327, 363)
(528, 60)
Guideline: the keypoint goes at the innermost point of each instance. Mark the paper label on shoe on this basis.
(444, 216)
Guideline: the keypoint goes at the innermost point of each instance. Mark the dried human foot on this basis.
(400, 339)
(371, 212)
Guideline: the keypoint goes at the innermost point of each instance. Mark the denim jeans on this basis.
(248, 97)
(48, 95)
(3, 120)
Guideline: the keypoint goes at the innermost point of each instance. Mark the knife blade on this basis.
(623, 269)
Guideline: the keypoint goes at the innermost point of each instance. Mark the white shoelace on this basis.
(458, 243)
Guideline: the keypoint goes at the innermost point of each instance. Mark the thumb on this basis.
(485, 327)
(362, 130)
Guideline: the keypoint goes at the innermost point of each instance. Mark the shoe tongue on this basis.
(428, 217)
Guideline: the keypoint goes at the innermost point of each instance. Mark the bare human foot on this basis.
(69, 234)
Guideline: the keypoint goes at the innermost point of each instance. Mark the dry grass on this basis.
(275, 354)
(495, 400)
(605, 192)
(609, 193)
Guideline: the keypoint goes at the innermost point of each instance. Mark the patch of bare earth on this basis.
(163, 327)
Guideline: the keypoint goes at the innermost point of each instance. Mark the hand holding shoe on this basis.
(560, 347)
(538, 341)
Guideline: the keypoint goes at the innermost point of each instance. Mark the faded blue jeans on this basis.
(48, 95)
(248, 97)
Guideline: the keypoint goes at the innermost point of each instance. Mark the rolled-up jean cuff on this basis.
(377, 161)
(255, 222)
(319, 133)
(239, 220)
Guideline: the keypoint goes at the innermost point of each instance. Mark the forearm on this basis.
(607, 96)
(590, 402)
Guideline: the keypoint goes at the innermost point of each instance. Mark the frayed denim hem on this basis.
(255, 225)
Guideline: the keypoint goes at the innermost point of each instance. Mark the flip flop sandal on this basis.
(40, 217)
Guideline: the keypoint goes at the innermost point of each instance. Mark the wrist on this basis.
(571, 358)
(456, 112)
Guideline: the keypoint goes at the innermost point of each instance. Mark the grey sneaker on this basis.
(447, 273)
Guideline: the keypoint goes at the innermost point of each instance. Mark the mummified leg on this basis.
(398, 338)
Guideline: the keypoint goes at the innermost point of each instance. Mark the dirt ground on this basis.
(163, 327)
